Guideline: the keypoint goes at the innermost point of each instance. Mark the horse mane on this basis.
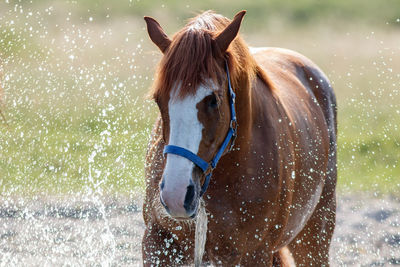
(193, 58)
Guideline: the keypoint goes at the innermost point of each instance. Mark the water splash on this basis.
(200, 234)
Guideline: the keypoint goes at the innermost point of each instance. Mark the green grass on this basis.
(75, 90)
(369, 152)
(63, 154)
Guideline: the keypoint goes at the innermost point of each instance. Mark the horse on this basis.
(249, 134)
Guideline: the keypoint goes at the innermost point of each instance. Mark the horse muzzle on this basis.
(180, 203)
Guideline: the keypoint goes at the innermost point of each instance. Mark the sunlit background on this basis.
(75, 75)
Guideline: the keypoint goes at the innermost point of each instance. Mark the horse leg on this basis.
(283, 258)
(151, 248)
(311, 245)
(161, 248)
(258, 257)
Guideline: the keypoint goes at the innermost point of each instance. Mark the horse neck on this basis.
(244, 113)
(256, 108)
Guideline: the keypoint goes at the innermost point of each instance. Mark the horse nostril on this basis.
(162, 184)
(188, 204)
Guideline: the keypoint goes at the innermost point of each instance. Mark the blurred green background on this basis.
(75, 76)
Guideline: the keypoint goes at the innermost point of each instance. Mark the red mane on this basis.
(193, 57)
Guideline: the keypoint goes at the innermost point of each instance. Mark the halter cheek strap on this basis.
(208, 167)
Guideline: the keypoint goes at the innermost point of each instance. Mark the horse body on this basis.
(276, 178)
(275, 191)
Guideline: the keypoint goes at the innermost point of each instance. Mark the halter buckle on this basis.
(209, 170)
(233, 125)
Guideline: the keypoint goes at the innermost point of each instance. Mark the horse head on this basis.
(195, 99)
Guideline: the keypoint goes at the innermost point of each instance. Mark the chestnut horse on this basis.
(271, 198)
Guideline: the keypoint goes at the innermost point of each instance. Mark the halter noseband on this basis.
(208, 167)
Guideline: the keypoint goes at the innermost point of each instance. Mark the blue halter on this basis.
(208, 167)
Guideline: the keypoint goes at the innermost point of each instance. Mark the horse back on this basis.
(294, 66)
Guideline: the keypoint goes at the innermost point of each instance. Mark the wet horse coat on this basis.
(271, 200)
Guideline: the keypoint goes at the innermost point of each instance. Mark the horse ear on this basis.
(157, 34)
(225, 38)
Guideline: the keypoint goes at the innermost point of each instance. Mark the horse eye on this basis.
(213, 102)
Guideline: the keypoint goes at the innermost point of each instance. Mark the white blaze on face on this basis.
(185, 131)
